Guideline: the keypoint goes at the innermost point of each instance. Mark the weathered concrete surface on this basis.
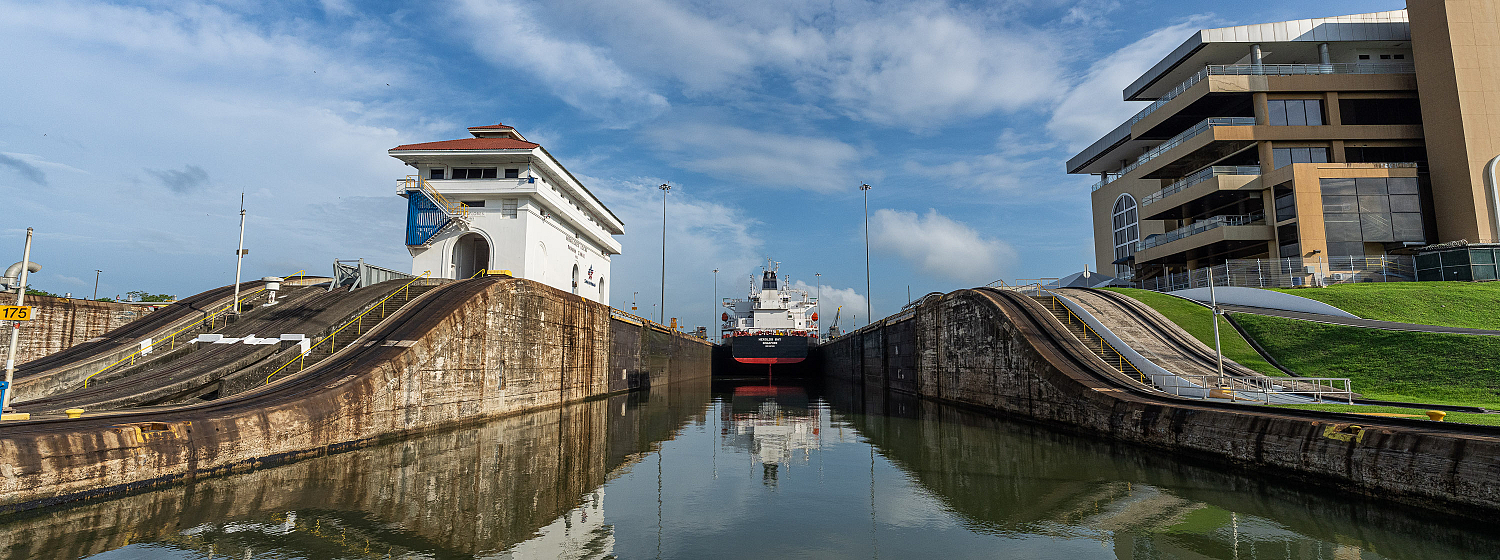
(463, 352)
(459, 493)
(1009, 356)
(61, 323)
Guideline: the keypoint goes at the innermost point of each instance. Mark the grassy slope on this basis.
(1386, 365)
(1459, 417)
(1449, 304)
(1197, 321)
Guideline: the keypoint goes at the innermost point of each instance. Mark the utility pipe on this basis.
(15, 328)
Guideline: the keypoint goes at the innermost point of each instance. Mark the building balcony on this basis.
(1182, 138)
(1209, 188)
(1272, 70)
(1217, 234)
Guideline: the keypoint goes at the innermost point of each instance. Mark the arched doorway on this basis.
(470, 255)
(575, 278)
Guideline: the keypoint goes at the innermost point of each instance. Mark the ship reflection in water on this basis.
(745, 470)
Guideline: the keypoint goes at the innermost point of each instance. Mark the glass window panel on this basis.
(1375, 204)
(1376, 228)
(1406, 203)
(1482, 256)
(1344, 227)
(1130, 215)
(1291, 250)
(1301, 155)
(1280, 157)
(1408, 227)
(489, 173)
(1314, 112)
(1296, 114)
(1119, 205)
(1346, 248)
(1320, 155)
(1130, 232)
(435, 174)
(1401, 185)
(1370, 185)
(1277, 112)
(1336, 186)
(1340, 204)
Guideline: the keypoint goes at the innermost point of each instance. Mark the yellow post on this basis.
(1436, 415)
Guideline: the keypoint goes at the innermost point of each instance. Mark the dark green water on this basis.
(746, 470)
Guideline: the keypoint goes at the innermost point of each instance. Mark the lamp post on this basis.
(716, 297)
(665, 188)
(239, 257)
(15, 327)
(818, 278)
(865, 188)
(96, 283)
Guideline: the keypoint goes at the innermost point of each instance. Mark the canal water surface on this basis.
(744, 468)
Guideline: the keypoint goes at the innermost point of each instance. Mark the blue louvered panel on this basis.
(424, 218)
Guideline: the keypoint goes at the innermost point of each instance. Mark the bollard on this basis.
(1436, 415)
(74, 412)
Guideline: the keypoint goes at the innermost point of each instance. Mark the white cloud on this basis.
(940, 245)
(584, 76)
(760, 157)
(1021, 163)
(1093, 106)
(830, 299)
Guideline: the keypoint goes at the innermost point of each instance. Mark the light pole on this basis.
(632, 300)
(711, 318)
(15, 327)
(665, 188)
(239, 257)
(96, 283)
(865, 188)
(818, 279)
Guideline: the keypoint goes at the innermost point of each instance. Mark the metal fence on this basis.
(1291, 272)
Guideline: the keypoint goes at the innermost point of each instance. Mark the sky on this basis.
(128, 131)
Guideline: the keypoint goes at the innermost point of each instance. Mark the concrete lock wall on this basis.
(61, 323)
(965, 349)
(465, 352)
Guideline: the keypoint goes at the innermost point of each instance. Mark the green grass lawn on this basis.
(1449, 304)
(1387, 365)
(1198, 321)
(1458, 417)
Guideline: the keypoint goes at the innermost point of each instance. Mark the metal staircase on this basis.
(1089, 338)
(428, 211)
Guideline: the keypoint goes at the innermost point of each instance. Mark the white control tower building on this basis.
(496, 202)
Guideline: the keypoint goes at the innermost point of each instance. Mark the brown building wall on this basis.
(61, 323)
(1457, 53)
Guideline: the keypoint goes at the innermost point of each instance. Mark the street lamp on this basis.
(96, 283)
(865, 188)
(711, 318)
(818, 279)
(665, 188)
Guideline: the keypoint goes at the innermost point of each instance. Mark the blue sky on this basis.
(128, 131)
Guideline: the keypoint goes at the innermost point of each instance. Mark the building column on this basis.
(1255, 56)
(1323, 53)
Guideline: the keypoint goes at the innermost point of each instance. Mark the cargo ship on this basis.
(773, 325)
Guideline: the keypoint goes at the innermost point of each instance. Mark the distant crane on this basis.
(833, 330)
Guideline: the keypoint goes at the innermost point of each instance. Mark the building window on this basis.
(1286, 203)
(512, 173)
(1364, 57)
(1281, 157)
(435, 173)
(473, 203)
(1127, 232)
(1399, 57)
(1370, 210)
(1295, 112)
(508, 207)
(474, 172)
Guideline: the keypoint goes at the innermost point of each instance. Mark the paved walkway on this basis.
(1355, 322)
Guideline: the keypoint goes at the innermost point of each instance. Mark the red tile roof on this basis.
(496, 125)
(471, 144)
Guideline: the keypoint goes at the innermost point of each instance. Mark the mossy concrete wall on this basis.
(462, 353)
(965, 348)
(61, 323)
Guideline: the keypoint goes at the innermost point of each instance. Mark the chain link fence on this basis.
(1291, 272)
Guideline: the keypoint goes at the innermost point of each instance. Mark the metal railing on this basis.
(1291, 272)
(332, 339)
(1198, 177)
(210, 321)
(1273, 70)
(1091, 339)
(1265, 390)
(1198, 227)
(1179, 139)
(417, 183)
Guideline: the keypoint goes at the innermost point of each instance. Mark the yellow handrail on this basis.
(173, 337)
(378, 304)
(1119, 359)
(451, 207)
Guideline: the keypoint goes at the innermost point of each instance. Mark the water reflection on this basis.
(746, 470)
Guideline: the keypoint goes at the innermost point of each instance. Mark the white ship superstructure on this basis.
(774, 325)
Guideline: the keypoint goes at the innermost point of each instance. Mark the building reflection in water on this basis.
(747, 471)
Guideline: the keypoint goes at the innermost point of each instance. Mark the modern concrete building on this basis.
(1353, 135)
(498, 202)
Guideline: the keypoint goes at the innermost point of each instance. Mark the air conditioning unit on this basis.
(1340, 277)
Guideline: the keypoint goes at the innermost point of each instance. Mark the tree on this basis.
(35, 292)
(138, 295)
